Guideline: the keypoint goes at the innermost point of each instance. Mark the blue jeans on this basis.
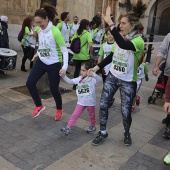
(127, 92)
(37, 72)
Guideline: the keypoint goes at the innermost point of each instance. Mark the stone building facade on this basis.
(17, 10)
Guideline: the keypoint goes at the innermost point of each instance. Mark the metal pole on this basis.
(148, 57)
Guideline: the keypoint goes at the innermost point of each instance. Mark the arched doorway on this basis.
(164, 27)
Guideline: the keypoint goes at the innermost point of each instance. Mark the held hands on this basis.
(62, 73)
(91, 70)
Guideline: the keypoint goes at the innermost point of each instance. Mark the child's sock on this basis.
(67, 127)
(103, 132)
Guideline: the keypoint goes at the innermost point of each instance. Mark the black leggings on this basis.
(26, 50)
(37, 72)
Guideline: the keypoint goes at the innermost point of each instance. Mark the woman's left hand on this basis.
(62, 72)
(107, 17)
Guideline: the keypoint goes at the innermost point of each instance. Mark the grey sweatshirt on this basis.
(165, 50)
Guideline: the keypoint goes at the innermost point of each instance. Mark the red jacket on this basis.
(167, 91)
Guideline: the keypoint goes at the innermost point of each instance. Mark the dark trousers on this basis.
(26, 50)
(168, 120)
(37, 72)
(127, 92)
(168, 115)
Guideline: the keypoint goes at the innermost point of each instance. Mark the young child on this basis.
(85, 91)
(104, 51)
(142, 73)
(92, 27)
(98, 33)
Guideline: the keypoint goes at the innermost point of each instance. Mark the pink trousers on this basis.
(78, 111)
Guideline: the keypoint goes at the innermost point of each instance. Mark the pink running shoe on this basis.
(59, 115)
(37, 111)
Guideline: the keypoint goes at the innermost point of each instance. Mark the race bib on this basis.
(44, 52)
(119, 67)
(83, 90)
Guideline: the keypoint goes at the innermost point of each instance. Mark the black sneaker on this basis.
(66, 130)
(99, 138)
(91, 129)
(164, 121)
(167, 132)
(127, 139)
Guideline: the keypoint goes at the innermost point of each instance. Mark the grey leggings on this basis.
(127, 92)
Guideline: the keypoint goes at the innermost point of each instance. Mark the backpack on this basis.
(75, 45)
(20, 36)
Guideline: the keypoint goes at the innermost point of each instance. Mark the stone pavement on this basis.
(35, 144)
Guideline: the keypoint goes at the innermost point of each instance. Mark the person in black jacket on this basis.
(126, 53)
(4, 40)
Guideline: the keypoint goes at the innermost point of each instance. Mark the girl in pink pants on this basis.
(86, 94)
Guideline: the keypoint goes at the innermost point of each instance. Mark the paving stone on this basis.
(148, 163)
(141, 167)
(153, 151)
(2, 121)
(160, 141)
(9, 106)
(6, 165)
(11, 158)
(32, 141)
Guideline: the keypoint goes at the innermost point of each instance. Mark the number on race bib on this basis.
(119, 68)
(83, 91)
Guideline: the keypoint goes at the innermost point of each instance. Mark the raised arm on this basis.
(122, 43)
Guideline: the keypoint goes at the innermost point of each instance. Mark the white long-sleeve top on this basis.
(86, 89)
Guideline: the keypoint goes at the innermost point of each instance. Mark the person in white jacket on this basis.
(51, 52)
(86, 94)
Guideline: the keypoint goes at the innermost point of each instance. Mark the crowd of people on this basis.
(120, 60)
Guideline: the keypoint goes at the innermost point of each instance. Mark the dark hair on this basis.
(141, 28)
(56, 21)
(75, 17)
(87, 65)
(26, 23)
(83, 24)
(64, 15)
(107, 29)
(98, 24)
(92, 23)
(47, 10)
